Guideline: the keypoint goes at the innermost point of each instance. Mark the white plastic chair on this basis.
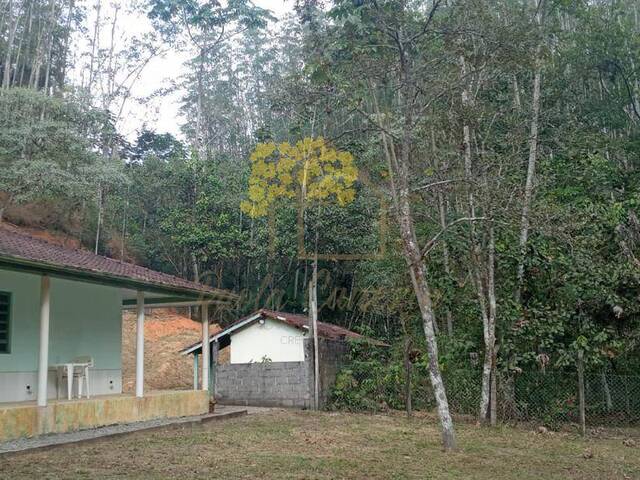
(83, 363)
(80, 366)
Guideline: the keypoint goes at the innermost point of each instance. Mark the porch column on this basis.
(205, 346)
(215, 349)
(140, 346)
(43, 356)
(195, 371)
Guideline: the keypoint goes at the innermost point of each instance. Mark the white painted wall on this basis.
(22, 386)
(86, 319)
(274, 340)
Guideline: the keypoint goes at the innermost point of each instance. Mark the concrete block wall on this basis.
(333, 354)
(281, 384)
(269, 384)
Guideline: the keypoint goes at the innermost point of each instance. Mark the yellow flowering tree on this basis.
(310, 169)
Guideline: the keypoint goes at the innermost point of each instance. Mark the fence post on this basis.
(580, 365)
(407, 380)
(606, 392)
(493, 405)
(626, 396)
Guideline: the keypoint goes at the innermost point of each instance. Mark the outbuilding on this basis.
(270, 360)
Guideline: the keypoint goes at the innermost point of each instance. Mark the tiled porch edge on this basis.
(28, 420)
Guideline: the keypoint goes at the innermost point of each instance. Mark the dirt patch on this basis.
(50, 236)
(166, 332)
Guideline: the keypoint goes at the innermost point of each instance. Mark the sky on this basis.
(160, 114)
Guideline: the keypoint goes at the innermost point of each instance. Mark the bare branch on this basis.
(431, 243)
(437, 184)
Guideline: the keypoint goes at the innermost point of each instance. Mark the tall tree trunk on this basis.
(50, 29)
(477, 263)
(482, 263)
(313, 315)
(100, 203)
(487, 296)
(195, 267)
(445, 256)
(27, 36)
(124, 224)
(442, 213)
(295, 281)
(3, 12)
(200, 147)
(23, 37)
(399, 178)
(517, 104)
(12, 23)
(417, 270)
(34, 77)
(494, 391)
(112, 46)
(67, 38)
(94, 47)
(413, 253)
(531, 166)
(407, 372)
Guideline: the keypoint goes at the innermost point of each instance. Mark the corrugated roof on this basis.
(21, 250)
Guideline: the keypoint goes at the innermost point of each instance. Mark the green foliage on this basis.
(175, 205)
(372, 381)
(48, 148)
(374, 378)
(208, 17)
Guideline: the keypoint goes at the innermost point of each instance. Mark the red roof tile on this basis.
(18, 248)
(325, 330)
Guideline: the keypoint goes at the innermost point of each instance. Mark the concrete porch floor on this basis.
(54, 440)
(51, 401)
(26, 419)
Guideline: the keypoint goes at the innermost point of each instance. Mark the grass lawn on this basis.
(307, 445)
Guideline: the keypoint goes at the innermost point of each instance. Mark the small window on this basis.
(5, 314)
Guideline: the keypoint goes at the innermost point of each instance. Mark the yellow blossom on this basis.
(311, 166)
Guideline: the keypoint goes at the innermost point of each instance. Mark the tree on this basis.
(309, 170)
(207, 26)
(47, 148)
(533, 150)
(388, 43)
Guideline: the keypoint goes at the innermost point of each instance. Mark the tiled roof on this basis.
(325, 330)
(21, 249)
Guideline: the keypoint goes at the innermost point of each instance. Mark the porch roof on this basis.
(21, 252)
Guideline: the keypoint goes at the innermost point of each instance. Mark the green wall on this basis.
(85, 320)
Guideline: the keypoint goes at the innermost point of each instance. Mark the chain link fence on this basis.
(540, 398)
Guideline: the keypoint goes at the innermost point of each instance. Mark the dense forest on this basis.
(496, 145)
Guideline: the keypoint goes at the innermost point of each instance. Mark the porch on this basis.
(58, 306)
(26, 419)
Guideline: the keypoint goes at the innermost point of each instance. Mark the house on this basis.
(57, 304)
(271, 360)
